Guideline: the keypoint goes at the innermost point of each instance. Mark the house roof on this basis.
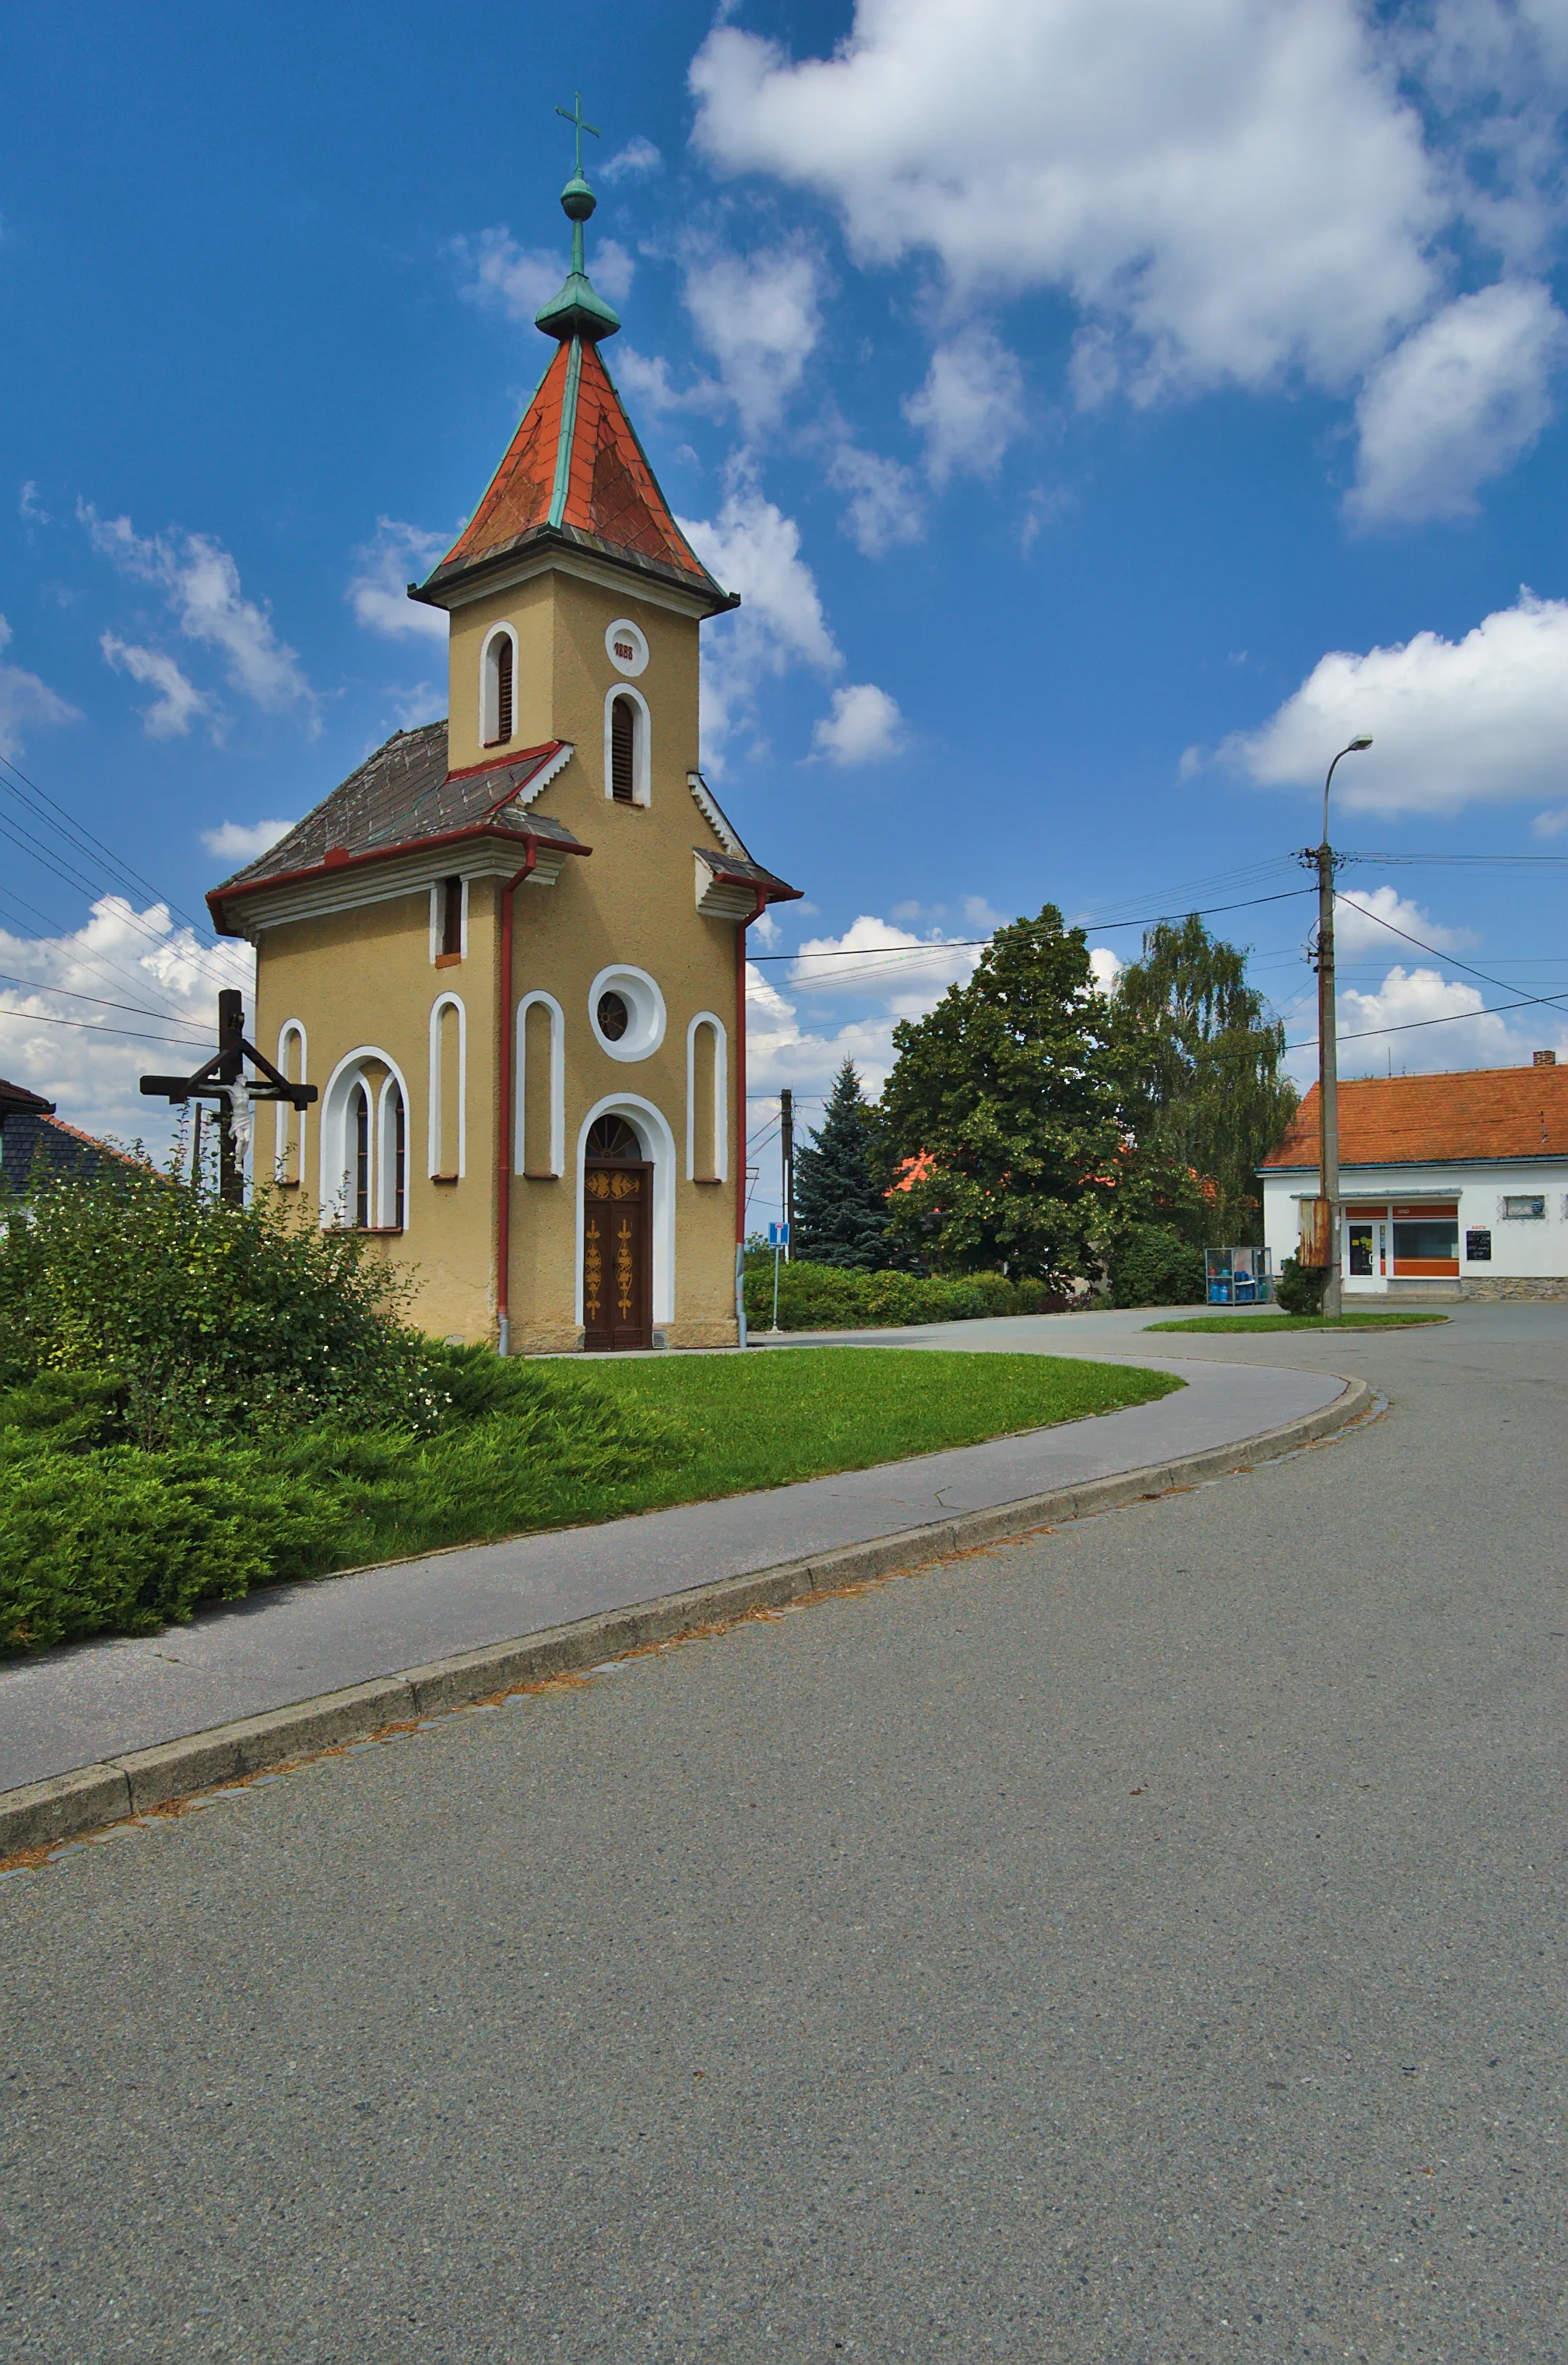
(575, 476)
(1478, 1113)
(15, 1098)
(404, 796)
(740, 870)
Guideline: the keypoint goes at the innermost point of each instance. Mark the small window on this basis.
(399, 1158)
(623, 719)
(452, 916)
(612, 1137)
(362, 1158)
(614, 1017)
(498, 690)
(1524, 1209)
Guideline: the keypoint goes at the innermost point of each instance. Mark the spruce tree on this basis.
(841, 1216)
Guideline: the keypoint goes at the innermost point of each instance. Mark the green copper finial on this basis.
(577, 310)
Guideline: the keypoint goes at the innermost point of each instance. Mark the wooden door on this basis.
(617, 1280)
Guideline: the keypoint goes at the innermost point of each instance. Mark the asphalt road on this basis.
(1143, 1944)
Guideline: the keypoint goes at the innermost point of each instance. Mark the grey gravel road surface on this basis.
(1142, 1943)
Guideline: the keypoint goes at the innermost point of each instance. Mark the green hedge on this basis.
(103, 1536)
(1150, 1266)
(828, 1298)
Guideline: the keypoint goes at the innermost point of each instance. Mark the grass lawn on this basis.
(769, 1417)
(1407, 1321)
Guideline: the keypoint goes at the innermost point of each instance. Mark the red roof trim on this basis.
(216, 898)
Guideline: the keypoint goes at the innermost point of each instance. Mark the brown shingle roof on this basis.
(1428, 1120)
(399, 796)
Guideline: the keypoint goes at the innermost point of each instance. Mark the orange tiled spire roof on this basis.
(575, 470)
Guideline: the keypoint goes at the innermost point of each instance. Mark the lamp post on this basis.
(1322, 858)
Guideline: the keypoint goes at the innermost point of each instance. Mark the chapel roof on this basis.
(403, 796)
(1476, 1113)
(575, 476)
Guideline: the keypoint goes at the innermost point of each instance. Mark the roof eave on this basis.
(218, 896)
(447, 577)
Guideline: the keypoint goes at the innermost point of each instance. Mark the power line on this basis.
(91, 1027)
(93, 848)
(1451, 958)
(1451, 1018)
(138, 1009)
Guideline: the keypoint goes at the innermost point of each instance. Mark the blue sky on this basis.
(1105, 408)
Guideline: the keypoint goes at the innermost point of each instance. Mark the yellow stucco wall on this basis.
(364, 978)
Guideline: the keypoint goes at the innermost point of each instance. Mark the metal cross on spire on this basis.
(574, 115)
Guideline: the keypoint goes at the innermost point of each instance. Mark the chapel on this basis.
(510, 948)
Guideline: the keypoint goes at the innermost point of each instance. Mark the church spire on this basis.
(577, 310)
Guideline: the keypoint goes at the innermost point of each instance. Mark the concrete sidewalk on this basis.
(102, 1699)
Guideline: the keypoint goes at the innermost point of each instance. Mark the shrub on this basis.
(1300, 1288)
(1150, 1266)
(213, 1320)
(832, 1297)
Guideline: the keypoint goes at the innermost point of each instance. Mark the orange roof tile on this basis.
(1427, 1120)
(610, 494)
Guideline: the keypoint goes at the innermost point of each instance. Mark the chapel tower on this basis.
(527, 1024)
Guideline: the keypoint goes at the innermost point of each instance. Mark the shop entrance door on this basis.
(1365, 1263)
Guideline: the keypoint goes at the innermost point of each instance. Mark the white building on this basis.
(1449, 1186)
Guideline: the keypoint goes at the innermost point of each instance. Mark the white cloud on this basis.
(759, 316)
(497, 274)
(1359, 910)
(638, 156)
(201, 585)
(178, 698)
(1550, 825)
(1227, 194)
(646, 377)
(752, 548)
(1409, 997)
(875, 960)
(1105, 967)
(238, 841)
(378, 594)
(422, 701)
(1479, 721)
(125, 956)
(1238, 187)
(970, 406)
(864, 725)
(30, 509)
(24, 700)
(884, 509)
(1456, 404)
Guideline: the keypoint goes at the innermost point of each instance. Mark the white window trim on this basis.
(383, 1173)
(283, 1113)
(721, 1088)
(432, 1140)
(651, 1022)
(438, 889)
(653, 1131)
(331, 1198)
(487, 737)
(557, 1159)
(643, 743)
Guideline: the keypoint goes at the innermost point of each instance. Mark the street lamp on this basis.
(1322, 858)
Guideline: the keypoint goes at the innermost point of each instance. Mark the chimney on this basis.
(1545, 1059)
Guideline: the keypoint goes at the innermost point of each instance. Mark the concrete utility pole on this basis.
(787, 1154)
(1322, 858)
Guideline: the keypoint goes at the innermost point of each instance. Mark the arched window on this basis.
(627, 770)
(612, 1137)
(540, 1146)
(623, 752)
(359, 1154)
(365, 1145)
(497, 702)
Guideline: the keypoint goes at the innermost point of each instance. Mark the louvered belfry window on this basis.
(623, 752)
(503, 687)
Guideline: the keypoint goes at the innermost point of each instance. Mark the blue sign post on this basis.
(778, 1240)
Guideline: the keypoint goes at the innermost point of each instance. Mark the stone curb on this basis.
(41, 1815)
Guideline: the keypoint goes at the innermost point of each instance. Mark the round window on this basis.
(627, 1012)
(626, 648)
